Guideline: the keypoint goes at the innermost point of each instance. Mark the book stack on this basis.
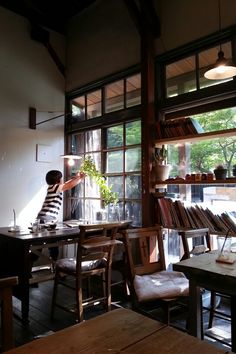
(178, 127)
(173, 214)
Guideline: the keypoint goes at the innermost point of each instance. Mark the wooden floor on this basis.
(40, 323)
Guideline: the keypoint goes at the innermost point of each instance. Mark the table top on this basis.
(62, 231)
(207, 272)
(108, 333)
(26, 235)
(117, 331)
(171, 341)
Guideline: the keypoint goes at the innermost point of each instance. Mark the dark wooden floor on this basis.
(41, 324)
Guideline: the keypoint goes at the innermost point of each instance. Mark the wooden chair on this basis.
(6, 285)
(201, 244)
(94, 259)
(150, 284)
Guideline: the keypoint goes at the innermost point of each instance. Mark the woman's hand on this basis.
(81, 175)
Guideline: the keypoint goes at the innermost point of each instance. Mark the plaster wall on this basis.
(29, 78)
(104, 39)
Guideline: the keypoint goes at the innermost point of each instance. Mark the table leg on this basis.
(233, 323)
(6, 314)
(195, 310)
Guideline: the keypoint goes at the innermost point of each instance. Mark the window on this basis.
(112, 97)
(121, 167)
(187, 74)
(114, 144)
(202, 157)
(180, 77)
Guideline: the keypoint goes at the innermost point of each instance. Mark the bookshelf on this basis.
(173, 214)
(184, 130)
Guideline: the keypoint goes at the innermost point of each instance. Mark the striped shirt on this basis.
(52, 203)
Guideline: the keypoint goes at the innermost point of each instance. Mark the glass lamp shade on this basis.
(71, 158)
(223, 69)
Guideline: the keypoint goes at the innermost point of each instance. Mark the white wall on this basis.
(104, 40)
(29, 78)
(183, 21)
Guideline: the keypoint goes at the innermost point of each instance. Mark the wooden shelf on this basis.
(214, 182)
(198, 137)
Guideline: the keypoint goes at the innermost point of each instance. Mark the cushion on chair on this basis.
(68, 265)
(161, 285)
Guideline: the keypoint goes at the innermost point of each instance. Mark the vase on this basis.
(162, 172)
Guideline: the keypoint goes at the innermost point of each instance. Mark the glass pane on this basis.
(133, 90)
(116, 212)
(133, 212)
(114, 96)
(93, 140)
(77, 191)
(94, 104)
(222, 119)
(133, 133)
(207, 58)
(133, 160)
(189, 159)
(77, 143)
(114, 161)
(117, 185)
(91, 208)
(91, 188)
(78, 109)
(77, 209)
(180, 77)
(115, 136)
(133, 187)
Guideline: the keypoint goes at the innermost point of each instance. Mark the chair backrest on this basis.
(96, 241)
(145, 251)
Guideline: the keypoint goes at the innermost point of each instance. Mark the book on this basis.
(178, 127)
(165, 212)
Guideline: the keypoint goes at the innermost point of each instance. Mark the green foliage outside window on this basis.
(204, 156)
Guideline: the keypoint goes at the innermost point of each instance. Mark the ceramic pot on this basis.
(162, 172)
(220, 173)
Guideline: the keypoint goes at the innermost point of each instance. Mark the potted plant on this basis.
(107, 195)
(220, 172)
(161, 167)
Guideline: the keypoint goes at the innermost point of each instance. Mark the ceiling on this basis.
(51, 14)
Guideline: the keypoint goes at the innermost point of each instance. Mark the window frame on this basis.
(103, 122)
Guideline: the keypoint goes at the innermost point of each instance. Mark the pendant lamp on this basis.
(71, 158)
(223, 68)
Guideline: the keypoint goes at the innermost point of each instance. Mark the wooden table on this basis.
(204, 272)
(118, 331)
(15, 257)
(15, 250)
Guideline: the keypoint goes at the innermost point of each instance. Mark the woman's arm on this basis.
(73, 181)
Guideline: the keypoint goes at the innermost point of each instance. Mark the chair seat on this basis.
(68, 265)
(161, 285)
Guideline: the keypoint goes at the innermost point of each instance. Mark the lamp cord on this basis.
(219, 8)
